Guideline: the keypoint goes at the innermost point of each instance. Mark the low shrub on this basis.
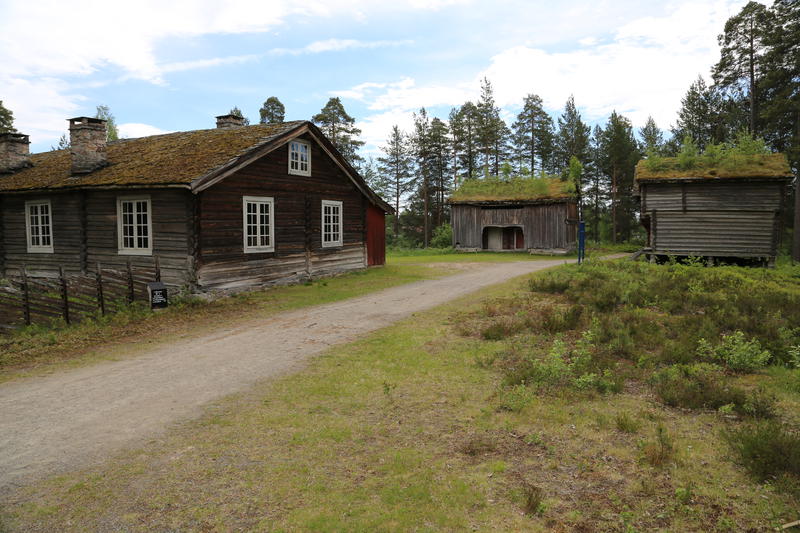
(735, 352)
(695, 386)
(626, 423)
(661, 450)
(766, 449)
(533, 499)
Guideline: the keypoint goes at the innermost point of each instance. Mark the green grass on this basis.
(39, 349)
(412, 428)
(493, 188)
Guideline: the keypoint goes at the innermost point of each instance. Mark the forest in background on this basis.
(755, 91)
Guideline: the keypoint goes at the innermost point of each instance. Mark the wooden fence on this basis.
(72, 297)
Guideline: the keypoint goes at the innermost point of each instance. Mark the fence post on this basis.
(26, 297)
(130, 283)
(64, 294)
(158, 268)
(99, 276)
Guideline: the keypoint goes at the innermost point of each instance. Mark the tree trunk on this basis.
(752, 84)
(796, 240)
(425, 214)
(614, 206)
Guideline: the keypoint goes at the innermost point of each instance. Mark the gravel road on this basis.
(73, 418)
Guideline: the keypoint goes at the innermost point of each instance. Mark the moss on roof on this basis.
(169, 159)
(513, 189)
(739, 166)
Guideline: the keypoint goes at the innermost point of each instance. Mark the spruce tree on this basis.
(595, 193)
(395, 169)
(439, 146)
(492, 132)
(572, 138)
(619, 153)
(532, 135)
(652, 137)
(340, 129)
(701, 115)
(272, 111)
(6, 119)
(425, 168)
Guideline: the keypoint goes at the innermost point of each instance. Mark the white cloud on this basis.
(135, 129)
(336, 45)
(180, 66)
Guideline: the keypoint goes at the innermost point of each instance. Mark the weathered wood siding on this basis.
(544, 225)
(222, 263)
(67, 234)
(85, 232)
(715, 233)
(723, 219)
(170, 224)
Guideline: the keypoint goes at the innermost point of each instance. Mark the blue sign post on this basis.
(581, 241)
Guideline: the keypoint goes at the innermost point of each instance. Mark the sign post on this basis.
(159, 296)
(581, 241)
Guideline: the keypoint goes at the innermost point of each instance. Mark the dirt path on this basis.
(73, 418)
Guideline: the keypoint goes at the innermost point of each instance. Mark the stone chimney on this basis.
(87, 139)
(229, 121)
(14, 153)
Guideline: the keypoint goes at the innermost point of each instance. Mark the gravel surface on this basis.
(74, 418)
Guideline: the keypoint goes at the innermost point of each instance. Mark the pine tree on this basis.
(395, 170)
(532, 135)
(238, 113)
(464, 130)
(618, 156)
(272, 111)
(340, 129)
(743, 48)
(104, 112)
(425, 168)
(572, 138)
(652, 137)
(6, 119)
(63, 143)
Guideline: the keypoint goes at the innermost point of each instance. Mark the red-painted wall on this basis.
(376, 236)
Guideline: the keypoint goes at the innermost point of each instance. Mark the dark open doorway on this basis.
(509, 238)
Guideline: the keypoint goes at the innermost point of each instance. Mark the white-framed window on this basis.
(39, 226)
(299, 158)
(134, 225)
(331, 223)
(258, 219)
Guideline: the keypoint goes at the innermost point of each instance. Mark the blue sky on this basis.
(171, 66)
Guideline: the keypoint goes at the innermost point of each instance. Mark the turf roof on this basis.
(169, 159)
(771, 166)
(515, 189)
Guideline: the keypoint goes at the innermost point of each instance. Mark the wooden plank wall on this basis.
(724, 219)
(222, 263)
(543, 225)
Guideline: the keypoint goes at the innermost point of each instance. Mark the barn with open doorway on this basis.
(523, 214)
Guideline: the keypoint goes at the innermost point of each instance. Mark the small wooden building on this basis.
(222, 208)
(714, 212)
(532, 215)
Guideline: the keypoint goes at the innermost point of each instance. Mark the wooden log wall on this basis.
(85, 233)
(715, 219)
(544, 225)
(222, 263)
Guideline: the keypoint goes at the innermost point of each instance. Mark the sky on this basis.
(174, 65)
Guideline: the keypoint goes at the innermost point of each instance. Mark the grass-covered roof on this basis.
(714, 166)
(516, 189)
(169, 159)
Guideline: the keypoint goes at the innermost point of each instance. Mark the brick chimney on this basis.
(14, 153)
(87, 139)
(229, 121)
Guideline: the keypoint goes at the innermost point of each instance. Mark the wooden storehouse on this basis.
(222, 208)
(730, 212)
(522, 214)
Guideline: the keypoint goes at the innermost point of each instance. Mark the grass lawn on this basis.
(39, 349)
(448, 255)
(422, 426)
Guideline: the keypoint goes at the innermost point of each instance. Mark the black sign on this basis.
(159, 298)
